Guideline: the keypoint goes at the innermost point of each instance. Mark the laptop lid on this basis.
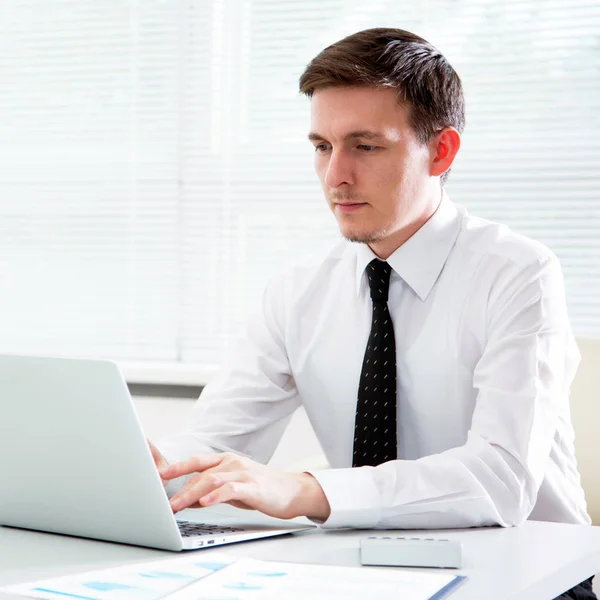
(73, 456)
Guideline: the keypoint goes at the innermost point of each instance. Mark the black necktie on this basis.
(375, 425)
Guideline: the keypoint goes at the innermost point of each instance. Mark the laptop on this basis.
(74, 460)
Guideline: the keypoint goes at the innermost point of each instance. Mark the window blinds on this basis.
(155, 171)
(89, 149)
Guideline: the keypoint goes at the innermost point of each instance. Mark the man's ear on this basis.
(445, 146)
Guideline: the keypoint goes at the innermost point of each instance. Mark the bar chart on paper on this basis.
(146, 581)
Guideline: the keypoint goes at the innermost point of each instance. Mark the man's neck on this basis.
(387, 246)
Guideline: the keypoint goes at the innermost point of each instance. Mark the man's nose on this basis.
(339, 170)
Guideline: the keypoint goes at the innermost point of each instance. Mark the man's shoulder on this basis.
(485, 239)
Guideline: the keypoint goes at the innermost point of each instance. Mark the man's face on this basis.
(374, 172)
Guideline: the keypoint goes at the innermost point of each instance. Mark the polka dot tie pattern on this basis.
(375, 425)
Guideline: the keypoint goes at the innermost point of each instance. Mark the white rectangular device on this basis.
(410, 552)
(74, 460)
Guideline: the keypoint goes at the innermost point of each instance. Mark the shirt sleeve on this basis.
(522, 381)
(247, 404)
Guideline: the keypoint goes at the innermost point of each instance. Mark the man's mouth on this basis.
(348, 207)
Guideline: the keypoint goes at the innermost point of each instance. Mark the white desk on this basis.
(537, 561)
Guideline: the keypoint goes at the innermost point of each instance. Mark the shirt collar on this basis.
(420, 260)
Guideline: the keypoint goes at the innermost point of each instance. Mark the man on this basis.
(433, 356)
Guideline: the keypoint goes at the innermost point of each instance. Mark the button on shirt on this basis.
(485, 357)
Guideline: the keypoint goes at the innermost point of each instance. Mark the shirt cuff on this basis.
(353, 497)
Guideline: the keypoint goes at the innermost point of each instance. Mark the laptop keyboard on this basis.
(191, 529)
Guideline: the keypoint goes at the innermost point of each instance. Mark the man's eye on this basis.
(366, 147)
(321, 148)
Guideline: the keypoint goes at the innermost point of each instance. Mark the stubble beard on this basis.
(354, 234)
(364, 238)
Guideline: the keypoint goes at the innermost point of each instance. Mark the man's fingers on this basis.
(155, 453)
(200, 486)
(159, 460)
(192, 465)
(235, 492)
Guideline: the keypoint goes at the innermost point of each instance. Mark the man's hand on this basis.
(159, 460)
(241, 482)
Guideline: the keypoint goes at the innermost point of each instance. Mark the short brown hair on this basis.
(398, 59)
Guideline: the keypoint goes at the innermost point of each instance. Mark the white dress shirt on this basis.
(485, 358)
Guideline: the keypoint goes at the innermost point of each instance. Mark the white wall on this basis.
(585, 410)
